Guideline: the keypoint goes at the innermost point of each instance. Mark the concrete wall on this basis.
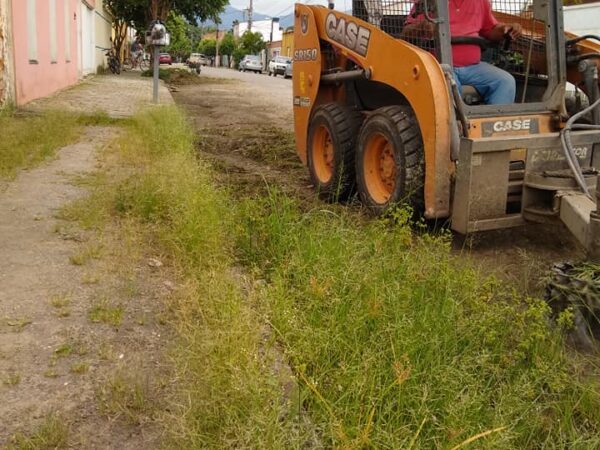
(86, 37)
(103, 33)
(44, 47)
(6, 82)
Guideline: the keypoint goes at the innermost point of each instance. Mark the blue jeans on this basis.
(496, 86)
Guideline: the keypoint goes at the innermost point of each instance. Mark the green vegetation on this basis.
(103, 312)
(28, 140)
(52, 434)
(391, 343)
(127, 394)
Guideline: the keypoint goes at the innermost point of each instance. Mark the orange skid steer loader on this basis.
(378, 111)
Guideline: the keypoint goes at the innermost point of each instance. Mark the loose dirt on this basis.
(245, 126)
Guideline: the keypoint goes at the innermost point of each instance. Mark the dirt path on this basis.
(81, 334)
(247, 121)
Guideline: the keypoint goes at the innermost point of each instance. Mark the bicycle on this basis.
(114, 65)
(139, 61)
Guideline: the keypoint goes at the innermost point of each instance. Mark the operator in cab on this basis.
(473, 18)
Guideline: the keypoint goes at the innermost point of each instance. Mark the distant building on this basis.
(274, 49)
(213, 35)
(261, 26)
(287, 42)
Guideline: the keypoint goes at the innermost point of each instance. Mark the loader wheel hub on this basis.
(323, 154)
(380, 166)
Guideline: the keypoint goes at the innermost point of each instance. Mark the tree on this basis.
(228, 45)
(252, 43)
(142, 12)
(181, 46)
(208, 47)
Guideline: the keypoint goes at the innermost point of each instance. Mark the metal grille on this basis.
(390, 16)
(525, 56)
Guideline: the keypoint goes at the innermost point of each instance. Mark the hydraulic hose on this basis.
(572, 160)
(582, 38)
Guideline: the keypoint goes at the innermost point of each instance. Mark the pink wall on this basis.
(44, 78)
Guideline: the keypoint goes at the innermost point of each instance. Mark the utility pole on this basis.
(217, 61)
(250, 11)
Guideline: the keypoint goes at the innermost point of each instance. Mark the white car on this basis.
(279, 65)
(197, 59)
(252, 63)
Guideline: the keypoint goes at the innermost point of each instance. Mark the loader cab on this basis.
(536, 59)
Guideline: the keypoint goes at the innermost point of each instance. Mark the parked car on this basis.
(197, 58)
(279, 65)
(165, 58)
(289, 70)
(252, 63)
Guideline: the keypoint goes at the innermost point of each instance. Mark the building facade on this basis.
(287, 43)
(44, 47)
(48, 45)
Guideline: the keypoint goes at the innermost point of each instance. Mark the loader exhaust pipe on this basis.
(331, 4)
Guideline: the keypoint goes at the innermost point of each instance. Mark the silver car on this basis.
(289, 70)
(279, 65)
(252, 63)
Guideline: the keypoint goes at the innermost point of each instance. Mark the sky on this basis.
(283, 7)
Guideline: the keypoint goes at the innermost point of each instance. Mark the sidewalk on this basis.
(53, 359)
(117, 95)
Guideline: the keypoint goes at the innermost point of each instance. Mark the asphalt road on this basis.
(276, 90)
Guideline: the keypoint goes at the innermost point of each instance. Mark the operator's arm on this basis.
(497, 33)
(422, 28)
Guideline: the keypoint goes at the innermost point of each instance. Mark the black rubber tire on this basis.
(342, 123)
(398, 125)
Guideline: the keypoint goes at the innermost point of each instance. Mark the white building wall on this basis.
(582, 19)
(103, 34)
(263, 27)
(86, 36)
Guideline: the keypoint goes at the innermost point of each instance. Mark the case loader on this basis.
(378, 112)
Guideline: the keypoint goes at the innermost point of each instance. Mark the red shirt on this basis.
(467, 18)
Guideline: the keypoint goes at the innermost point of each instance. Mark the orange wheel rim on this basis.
(322, 154)
(380, 168)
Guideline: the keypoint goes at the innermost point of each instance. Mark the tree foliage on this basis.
(252, 43)
(227, 45)
(208, 47)
(142, 12)
(181, 45)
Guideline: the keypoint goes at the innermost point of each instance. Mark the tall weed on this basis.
(398, 347)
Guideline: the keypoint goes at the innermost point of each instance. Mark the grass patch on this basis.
(18, 325)
(12, 379)
(129, 395)
(86, 253)
(60, 300)
(53, 434)
(79, 368)
(28, 140)
(103, 312)
(393, 344)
